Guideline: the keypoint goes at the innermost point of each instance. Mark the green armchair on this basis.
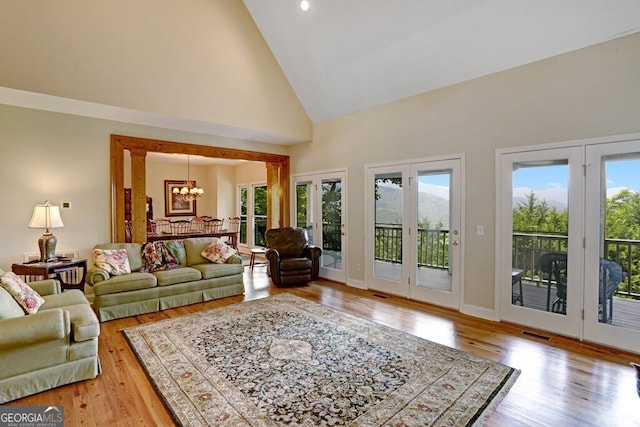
(57, 345)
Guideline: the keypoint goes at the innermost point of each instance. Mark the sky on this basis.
(548, 182)
(551, 182)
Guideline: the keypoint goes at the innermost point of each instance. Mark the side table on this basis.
(254, 252)
(54, 268)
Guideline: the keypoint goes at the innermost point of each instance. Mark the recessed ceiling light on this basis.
(304, 5)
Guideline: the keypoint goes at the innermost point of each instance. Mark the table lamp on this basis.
(46, 216)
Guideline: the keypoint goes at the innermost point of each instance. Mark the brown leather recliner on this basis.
(292, 261)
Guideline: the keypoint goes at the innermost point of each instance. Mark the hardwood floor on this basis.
(563, 382)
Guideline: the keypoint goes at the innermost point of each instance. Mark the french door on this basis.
(319, 206)
(540, 230)
(569, 240)
(413, 235)
(612, 249)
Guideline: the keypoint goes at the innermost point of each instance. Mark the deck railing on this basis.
(433, 246)
(433, 252)
(528, 248)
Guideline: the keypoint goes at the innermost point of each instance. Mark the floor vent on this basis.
(534, 335)
(379, 296)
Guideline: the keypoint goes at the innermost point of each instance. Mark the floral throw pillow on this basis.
(115, 261)
(218, 252)
(156, 257)
(29, 299)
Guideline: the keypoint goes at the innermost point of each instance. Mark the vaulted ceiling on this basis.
(343, 56)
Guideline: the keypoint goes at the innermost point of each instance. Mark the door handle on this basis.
(455, 242)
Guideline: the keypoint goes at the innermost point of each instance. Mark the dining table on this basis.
(231, 234)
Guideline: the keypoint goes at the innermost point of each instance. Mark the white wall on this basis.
(588, 93)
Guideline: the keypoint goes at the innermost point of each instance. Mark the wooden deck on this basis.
(427, 277)
(626, 312)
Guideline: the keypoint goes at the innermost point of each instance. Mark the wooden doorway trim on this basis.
(277, 167)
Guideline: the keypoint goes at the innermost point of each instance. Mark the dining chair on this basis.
(198, 223)
(212, 225)
(162, 225)
(181, 226)
(234, 225)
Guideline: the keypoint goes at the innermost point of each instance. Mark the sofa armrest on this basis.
(313, 253)
(234, 259)
(96, 274)
(46, 287)
(43, 326)
(272, 254)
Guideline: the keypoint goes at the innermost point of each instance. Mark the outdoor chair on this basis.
(161, 226)
(611, 275)
(554, 270)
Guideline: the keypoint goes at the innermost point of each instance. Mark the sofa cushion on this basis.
(128, 282)
(133, 252)
(218, 251)
(193, 247)
(23, 294)
(178, 275)
(295, 264)
(9, 307)
(114, 261)
(211, 270)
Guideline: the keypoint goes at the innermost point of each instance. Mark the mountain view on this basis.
(432, 209)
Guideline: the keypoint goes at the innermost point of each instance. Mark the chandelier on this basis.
(189, 191)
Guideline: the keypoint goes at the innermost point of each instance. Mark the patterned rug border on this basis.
(131, 334)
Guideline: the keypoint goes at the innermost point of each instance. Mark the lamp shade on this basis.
(46, 216)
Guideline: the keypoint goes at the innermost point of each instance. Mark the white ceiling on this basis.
(343, 56)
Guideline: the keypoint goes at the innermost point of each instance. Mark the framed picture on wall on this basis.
(173, 206)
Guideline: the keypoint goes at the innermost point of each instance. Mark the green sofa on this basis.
(57, 345)
(195, 280)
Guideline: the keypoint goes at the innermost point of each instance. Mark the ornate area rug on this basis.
(284, 360)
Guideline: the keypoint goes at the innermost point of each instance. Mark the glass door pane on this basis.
(304, 209)
(540, 224)
(433, 220)
(612, 255)
(259, 214)
(620, 248)
(242, 238)
(332, 223)
(388, 222)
